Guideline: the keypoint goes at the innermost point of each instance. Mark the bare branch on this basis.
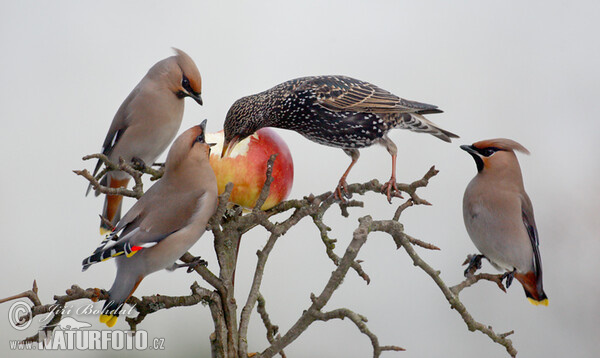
(264, 193)
(228, 226)
(360, 322)
(144, 306)
(136, 192)
(314, 313)
(473, 279)
(151, 304)
(271, 328)
(31, 294)
(455, 303)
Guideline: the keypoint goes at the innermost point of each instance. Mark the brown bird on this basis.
(336, 111)
(167, 220)
(499, 216)
(147, 122)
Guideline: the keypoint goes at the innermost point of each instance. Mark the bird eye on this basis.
(200, 138)
(489, 151)
(185, 82)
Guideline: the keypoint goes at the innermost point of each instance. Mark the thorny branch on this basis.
(229, 224)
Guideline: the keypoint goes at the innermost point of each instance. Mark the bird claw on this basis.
(138, 163)
(341, 191)
(387, 189)
(474, 262)
(509, 276)
(97, 294)
(196, 262)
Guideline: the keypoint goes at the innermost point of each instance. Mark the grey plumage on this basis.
(498, 214)
(164, 223)
(147, 121)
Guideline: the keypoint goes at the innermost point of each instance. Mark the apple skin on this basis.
(246, 167)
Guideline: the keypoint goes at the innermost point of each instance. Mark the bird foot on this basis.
(509, 276)
(474, 262)
(341, 191)
(138, 163)
(98, 292)
(196, 262)
(391, 190)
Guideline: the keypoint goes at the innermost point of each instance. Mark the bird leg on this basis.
(474, 262)
(197, 261)
(509, 276)
(391, 184)
(341, 191)
(390, 187)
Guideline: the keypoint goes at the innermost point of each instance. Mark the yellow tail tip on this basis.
(543, 302)
(109, 320)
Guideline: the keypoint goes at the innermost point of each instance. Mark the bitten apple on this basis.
(246, 167)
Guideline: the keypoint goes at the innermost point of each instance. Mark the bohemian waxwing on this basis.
(167, 220)
(499, 216)
(147, 122)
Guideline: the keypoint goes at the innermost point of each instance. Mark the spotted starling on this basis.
(336, 111)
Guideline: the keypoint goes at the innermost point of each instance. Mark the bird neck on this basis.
(508, 175)
(190, 174)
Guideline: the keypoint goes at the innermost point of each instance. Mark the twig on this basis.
(264, 193)
(314, 313)
(360, 322)
(31, 294)
(228, 226)
(454, 301)
(271, 328)
(471, 280)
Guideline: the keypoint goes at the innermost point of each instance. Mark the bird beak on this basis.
(476, 156)
(469, 149)
(228, 146)
(196, 97)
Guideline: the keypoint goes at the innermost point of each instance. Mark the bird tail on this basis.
(122, 289)
(112, 205)
(110, 312)
(533, 288)
(416, 122)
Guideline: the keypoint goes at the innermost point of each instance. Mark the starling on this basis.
(336, 111)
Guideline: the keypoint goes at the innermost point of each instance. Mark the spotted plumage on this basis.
(336, 111)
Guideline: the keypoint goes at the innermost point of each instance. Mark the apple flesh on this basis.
(246, 167)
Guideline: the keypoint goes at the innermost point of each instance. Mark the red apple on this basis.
(246, 167)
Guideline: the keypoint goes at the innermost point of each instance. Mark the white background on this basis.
(522, 70)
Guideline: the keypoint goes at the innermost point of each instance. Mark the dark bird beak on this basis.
(228, 146)
(469, 149)
(475, 154)
(196, 97)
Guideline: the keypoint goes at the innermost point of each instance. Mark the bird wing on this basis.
(118, 126)
(148, 222)
(340, 93)
(128, 241)
(529, 222)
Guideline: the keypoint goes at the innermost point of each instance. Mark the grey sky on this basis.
(522, 70)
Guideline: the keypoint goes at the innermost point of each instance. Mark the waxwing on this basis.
(499, 217)
(147, 122)
(164, 223)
